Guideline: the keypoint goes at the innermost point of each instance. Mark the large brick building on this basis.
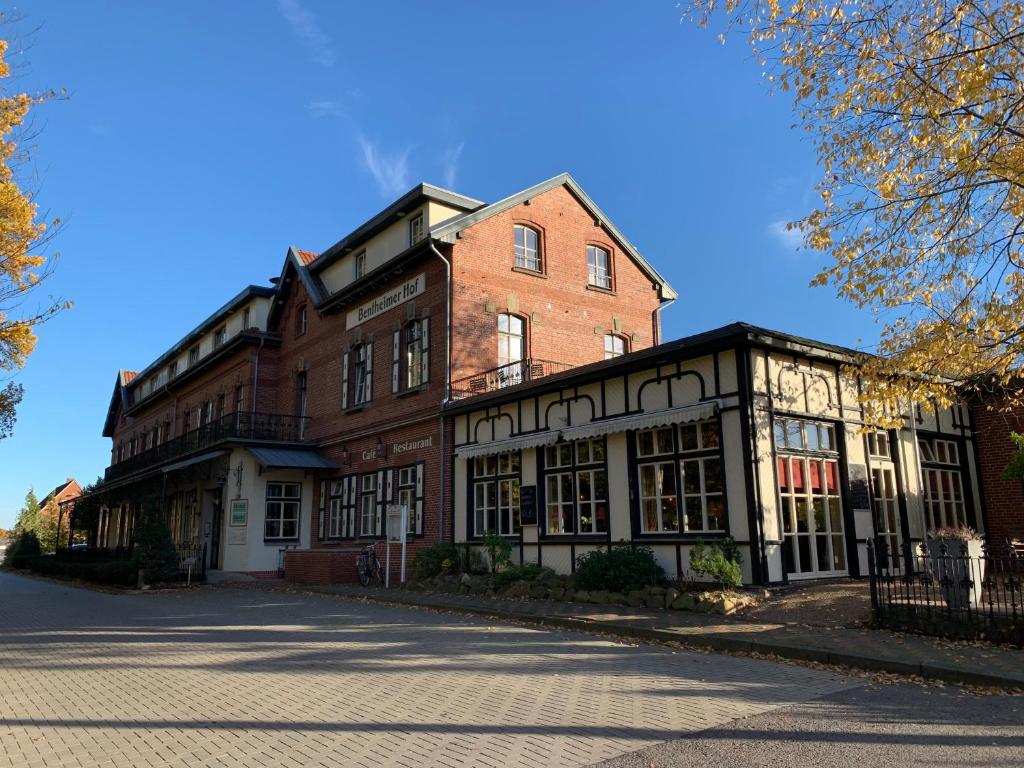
(279, 430)
(995, 418)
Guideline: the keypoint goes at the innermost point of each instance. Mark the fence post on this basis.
(873, 577)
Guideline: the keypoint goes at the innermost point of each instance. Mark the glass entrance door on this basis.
(812, 516)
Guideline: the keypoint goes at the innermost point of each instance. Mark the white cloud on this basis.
(450, 163)
(389, 170)
(791, 239)
(327, 108)
(304, 26)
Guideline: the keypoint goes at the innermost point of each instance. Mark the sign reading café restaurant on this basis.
(382, 303)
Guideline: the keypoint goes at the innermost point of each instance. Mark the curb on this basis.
(715, 643)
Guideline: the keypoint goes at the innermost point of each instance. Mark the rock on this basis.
(582, 596)
(656, 590)
(684, 602)
(635, 598)
(599, 597)
(538, 591)
(557, 593)
(617, 598)
(726, 606)
(671, 595)
(466, 579)
(518, 589)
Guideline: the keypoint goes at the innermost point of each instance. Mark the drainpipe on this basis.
(657, 319)
(447, 373)
(256, 373)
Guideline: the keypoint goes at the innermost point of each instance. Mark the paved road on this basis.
(239, 678)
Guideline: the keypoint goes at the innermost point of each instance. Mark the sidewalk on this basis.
(868, 649)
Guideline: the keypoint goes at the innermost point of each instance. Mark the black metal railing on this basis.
(505, 376)
(192, 562)
(949, 588)
(241, 425)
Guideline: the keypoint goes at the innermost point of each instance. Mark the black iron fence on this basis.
(950, 588)
(508, 375)
(192, 563)
(241, 425)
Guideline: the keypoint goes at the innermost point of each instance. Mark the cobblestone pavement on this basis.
(243, 677)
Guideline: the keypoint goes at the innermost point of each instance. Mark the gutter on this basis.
(447, 373)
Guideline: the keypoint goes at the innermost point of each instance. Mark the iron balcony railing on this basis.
(232, 426)
(505, 376)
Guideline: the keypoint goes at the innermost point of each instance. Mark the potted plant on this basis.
(955, 560)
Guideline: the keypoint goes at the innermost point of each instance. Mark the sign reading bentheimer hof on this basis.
(410, 289)
(528, 505)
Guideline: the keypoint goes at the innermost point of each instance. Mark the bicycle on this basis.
(368, 566)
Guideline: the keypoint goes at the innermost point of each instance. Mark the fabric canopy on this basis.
(511, 444)
(648, 420)
(290, 458)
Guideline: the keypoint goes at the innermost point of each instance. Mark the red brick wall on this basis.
(1002, 500)
(567, 312)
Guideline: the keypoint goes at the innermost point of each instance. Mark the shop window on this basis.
(804, 435)
(576, 487)
(938, 451)
(614, 346)
(527, 248)
(282, 516)
(495, 491)
(599, 267)
(681, 480)
(944, 502)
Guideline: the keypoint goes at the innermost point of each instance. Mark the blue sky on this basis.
(202, 138)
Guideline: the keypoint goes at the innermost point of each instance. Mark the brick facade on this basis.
(1002, 499)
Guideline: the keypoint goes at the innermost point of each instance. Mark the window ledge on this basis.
(599, 289)
(355, 408)
(528, 271)
(411, 391)
(270, 542)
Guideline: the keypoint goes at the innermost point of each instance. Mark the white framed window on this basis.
(282, 515)
(614, 346)
(511, 341)
(368, 505)
(812, 515)
(527, 248)
(359, 265)
(878, 445)
(599, 270)
(576, 487)
(360, 374)
(341, 518)
(804, 435)
(410, 495)
(416, 229)
(496, 485)
(937, 451)
(681, 479)
(415, 344)
(220, 336)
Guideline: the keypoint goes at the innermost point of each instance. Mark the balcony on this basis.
(233, 426)
(503, 376)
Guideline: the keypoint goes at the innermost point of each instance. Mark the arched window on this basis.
(527, 248)
(614, 346)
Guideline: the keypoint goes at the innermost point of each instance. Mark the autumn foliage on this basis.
(22, 268)
(916, 112)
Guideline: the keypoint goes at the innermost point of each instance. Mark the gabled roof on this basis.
(58, 491)
(296, 261)
(447, 230)
(390, 215)
(119, 396)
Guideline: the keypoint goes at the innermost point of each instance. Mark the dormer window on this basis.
(415, 229)
(172, 370)
(527, 248)
(193, 355)
(245, 318)
(220, 336)
(359, 265)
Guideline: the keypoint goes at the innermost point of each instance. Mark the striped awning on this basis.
(648, 420)
(511, 444)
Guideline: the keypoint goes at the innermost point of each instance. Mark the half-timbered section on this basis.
(739, 432)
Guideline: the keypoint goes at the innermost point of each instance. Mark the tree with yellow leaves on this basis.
(22, 268)
(916, 112)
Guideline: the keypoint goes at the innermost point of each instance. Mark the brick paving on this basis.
(971, 663)
(236, 677)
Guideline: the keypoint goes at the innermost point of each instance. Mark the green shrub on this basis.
(524, 572)
(25, 547)
(499, 550)
(121, 573)
(438, 559)
(155, 553)
(719, 561)
(620, 569)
